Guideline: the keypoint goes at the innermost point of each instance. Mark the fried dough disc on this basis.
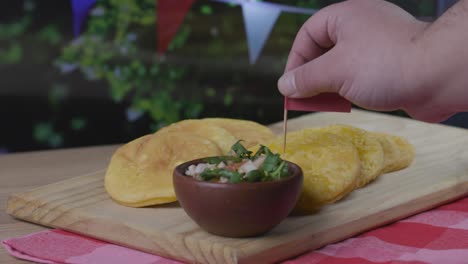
(250, 132)
(220, 136)
(140, 172)
(370, 150)
(330, 164)
(399, 153)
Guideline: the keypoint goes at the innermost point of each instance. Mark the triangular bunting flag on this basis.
(170, 15)
(80, 10)
(259, 19)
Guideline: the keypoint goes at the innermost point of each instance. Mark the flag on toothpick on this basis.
(326, 102)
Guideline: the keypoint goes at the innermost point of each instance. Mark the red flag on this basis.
(326, 102)
(170, 15)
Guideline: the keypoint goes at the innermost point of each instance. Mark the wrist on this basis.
(419, 76)
(437, 64)
(427, 87)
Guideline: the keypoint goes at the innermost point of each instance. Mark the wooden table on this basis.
(23, 171)
(441, 165)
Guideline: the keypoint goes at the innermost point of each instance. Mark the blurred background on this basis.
(108, 85)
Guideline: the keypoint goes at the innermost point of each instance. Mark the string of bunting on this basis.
(259, 20)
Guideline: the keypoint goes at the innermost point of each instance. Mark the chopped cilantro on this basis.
(240, 150)
(272, 168)
(253, 176)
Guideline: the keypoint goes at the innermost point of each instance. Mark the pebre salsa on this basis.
(241, 166)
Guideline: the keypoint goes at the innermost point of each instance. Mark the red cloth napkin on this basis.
(432, 237)
(58, 246)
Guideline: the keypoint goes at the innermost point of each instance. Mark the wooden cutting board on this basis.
(438, 175)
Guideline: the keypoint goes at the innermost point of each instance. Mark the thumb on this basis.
(323, 74)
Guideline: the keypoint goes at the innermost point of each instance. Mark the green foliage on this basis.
(206, 10)
(180, 39)
(193, 109)
(117, 47)
(12, 54)
(15, 38)
(45, 133)
(112, 49)
(426, 9)
(15, 29)
(78, 123)
(50, 34)
(228, 99)
(11, 51)
(309, 3)
(210, 92)
(57, 93)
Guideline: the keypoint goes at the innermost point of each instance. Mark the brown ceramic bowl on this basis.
(237, 209)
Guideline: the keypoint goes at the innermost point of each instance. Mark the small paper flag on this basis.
(170, 15)
(326, 102)
(80, 10)
(259, 19)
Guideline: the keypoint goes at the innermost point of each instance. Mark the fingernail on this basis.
(286, 84)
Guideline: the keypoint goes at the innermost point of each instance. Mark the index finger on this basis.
(314, 38)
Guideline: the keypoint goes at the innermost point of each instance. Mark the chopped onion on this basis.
(201, 167)
(190, 170)
(258, 162)
(223, 179)
(247, 167)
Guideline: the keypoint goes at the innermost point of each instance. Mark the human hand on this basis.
(365, 50)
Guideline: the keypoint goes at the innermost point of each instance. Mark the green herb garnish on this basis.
(262, 150)
(240, 150)
(209, 174)
(254, 176)
(272, 168)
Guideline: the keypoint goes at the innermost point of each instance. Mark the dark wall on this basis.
(45, 105)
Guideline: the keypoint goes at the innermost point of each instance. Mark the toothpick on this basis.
(285, 129)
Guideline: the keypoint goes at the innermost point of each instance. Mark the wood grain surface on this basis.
(80, 204)
(22, 171)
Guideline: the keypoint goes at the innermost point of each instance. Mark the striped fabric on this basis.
(432, 237)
